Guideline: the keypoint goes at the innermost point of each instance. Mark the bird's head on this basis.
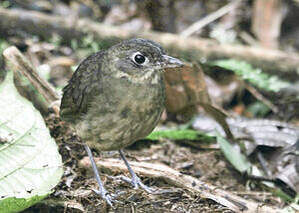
(139, 60)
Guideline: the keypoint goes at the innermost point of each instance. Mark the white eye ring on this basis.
(139, 59)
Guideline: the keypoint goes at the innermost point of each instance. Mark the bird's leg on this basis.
(135, 181)
(102, 191)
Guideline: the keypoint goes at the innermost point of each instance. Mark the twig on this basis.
(263, 163)
(210, 18)
(260, 97)
(248, 38)
(261, 178)
(187, 182)
(17, 62)
(253, 193)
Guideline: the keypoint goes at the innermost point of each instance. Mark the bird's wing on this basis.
(82, 87)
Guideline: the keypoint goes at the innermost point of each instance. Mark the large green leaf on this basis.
(30, 165)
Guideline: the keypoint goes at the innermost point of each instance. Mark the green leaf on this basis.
(253, 75)
(3, 46)
(258, 109)
(13, 204)
(30, 165)
(182, 134)
(292, 207)
(284, 196)
(233, 155)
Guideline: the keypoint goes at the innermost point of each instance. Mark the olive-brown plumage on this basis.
(116, 96)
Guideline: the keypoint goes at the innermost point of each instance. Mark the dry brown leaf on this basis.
(186, 90)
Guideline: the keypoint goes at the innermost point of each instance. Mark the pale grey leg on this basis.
(102, 191)
(135, 181)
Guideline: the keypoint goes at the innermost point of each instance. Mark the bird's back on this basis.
(81, 89)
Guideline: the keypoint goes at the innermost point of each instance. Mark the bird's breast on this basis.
(122, 114)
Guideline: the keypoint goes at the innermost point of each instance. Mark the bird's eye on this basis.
(139, 59)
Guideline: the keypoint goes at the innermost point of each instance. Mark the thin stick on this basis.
(260, 97)
(210, 18)
(18, 63)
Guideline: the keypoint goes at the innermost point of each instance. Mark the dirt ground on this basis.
(74, 193)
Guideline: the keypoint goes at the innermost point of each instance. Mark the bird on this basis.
(116, 97)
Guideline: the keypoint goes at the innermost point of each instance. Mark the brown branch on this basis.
(187, 182)
(260, 97)
(210, 18)
(45, 25)
(16, 61)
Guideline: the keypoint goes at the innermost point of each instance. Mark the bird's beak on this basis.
(170, 62)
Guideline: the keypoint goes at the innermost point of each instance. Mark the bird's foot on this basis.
(105, 196)
(136, 182)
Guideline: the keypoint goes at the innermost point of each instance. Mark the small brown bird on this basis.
(116, 97)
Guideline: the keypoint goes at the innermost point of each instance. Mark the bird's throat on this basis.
(151, 77)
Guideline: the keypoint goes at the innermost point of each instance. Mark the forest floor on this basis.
(74, 193)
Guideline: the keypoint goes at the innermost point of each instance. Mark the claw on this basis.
(136, 182)
(105, 196)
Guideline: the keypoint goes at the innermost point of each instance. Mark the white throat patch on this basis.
(151, 74)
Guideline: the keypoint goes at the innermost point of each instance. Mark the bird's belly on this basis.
(122, 121)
